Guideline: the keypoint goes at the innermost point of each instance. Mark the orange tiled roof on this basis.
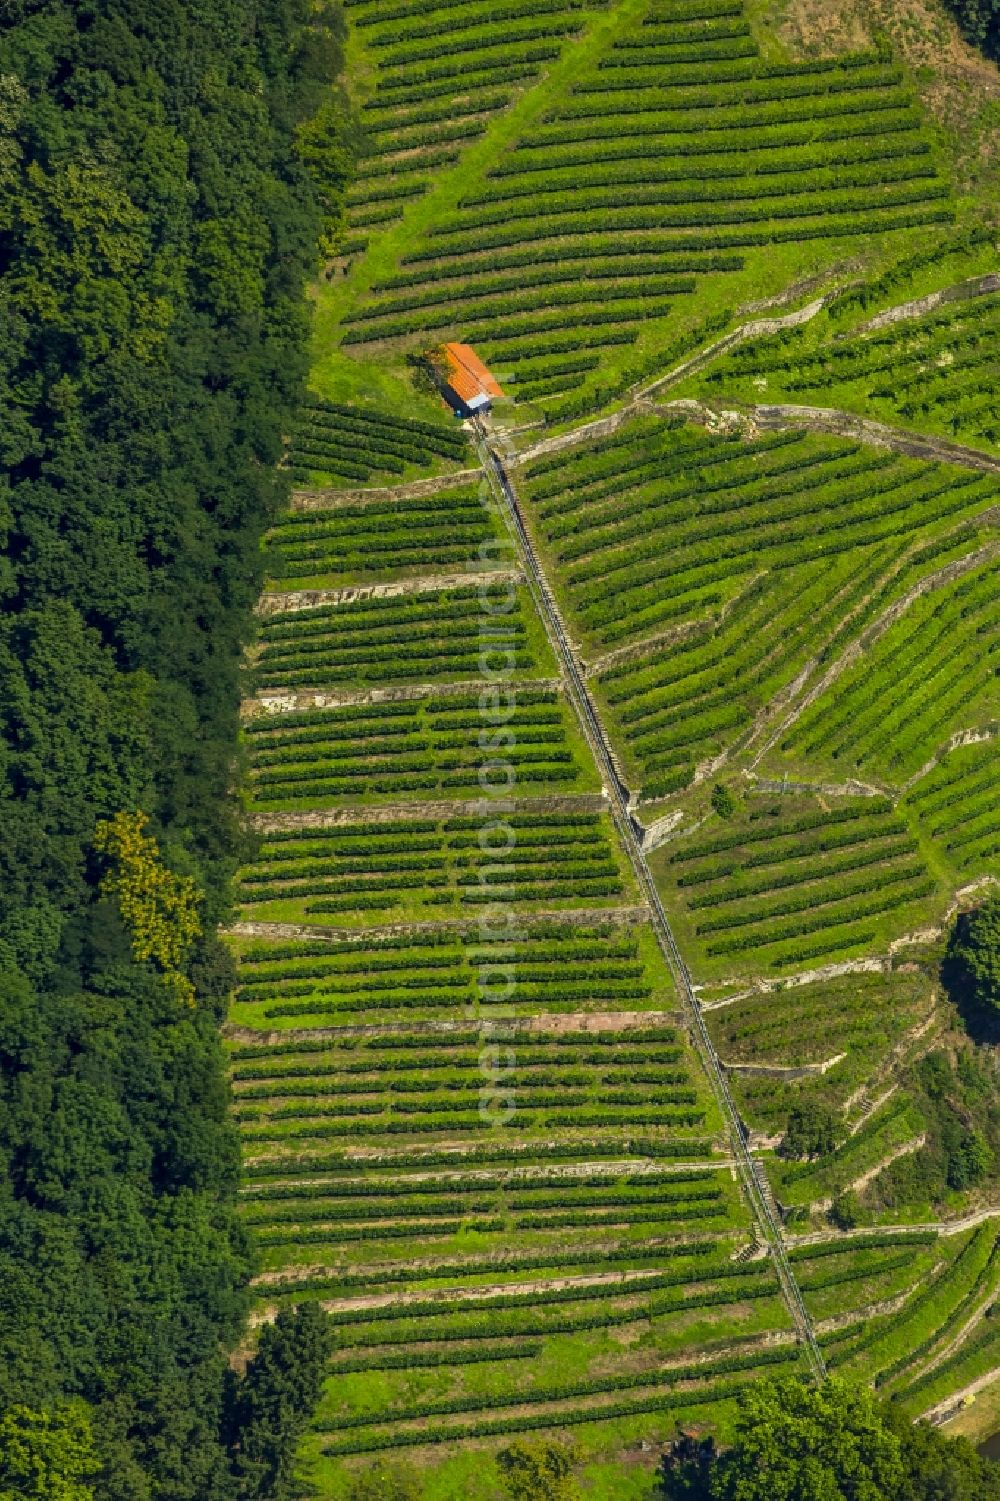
(467, 374)
(462, 383)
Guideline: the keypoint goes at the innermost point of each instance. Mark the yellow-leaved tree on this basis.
(158, 907)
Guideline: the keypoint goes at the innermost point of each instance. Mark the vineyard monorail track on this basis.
(751, 1172)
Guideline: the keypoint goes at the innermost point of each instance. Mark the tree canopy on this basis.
(832, 1442)
(812, 1131)
(159, 217)
(270, 1406)
(974, 952)
(48, 1456)
(538, 1471)
(980, 21)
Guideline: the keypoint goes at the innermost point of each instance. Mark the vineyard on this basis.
(442, 71)
(748, 644)
(427, 744)
(932, 370)
(703, 574)
(568, 183)
(790, 881)
(956, 803)
(371, 540)
(941, 1292)
(424, 867)
(592, 1261)
(335, 442)
(819, 1043)
(426, 634)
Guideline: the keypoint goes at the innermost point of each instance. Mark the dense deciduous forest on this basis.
(159, 217)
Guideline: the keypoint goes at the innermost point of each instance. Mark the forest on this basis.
(258, 1238)
(159, 219)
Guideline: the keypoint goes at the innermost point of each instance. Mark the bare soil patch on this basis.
(957, 85)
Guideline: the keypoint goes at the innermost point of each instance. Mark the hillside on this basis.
(620, 761)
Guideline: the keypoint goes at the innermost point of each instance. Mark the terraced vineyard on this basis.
(362, 539)
(587, 1260)
(704, 574)
(428, 743)
(935, 1288)
(338, 441)
(821, 1043)
(933, 369)
(413, 865)
(791, 881)
(426, 634)
(570, 183)
(442, 72)
(956, 802)
(746, 617)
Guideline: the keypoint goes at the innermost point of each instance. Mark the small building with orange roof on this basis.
(467, 384)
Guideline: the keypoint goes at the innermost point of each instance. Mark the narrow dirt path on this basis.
(871, 1107)
(923, 1367)
(760, 985)
(902, 440)
(275, 602)
(371, 813)
(942, 1227)
(787, 1071)
(622, 917)
(636, 650)
(857, 1185)
(949, 1406)
(274, 701)
(630, 1283)
(869, 1311)
(755, 329)
(953, 743)
(448, 1266)
(559, 1023)
(336, 499)
(905, 1050)
(851, 788)
(512, 1178)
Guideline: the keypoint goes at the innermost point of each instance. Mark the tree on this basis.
(827, 1443)
(539, 1471)
(272, 1403)
(159, 221)
(974, 952)
(845, 1211)
(50, 1456)
(811, 1131)
(723, 800)
(980, 21)
(385, 1484)
(968, 1159)
(940, 1468)
(686, 1468)
(159, 908)
(799, 1443)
